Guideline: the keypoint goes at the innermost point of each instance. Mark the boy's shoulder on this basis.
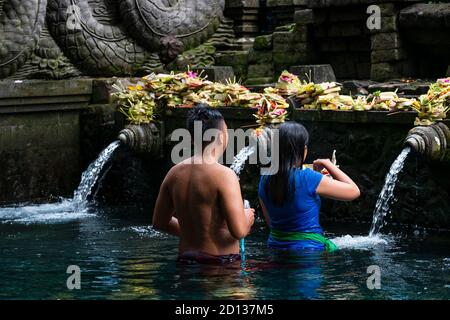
(216, 168)
(222, 173)
(225, 169)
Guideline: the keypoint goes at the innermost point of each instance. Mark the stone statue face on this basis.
(170, 49)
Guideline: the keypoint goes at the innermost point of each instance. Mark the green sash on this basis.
(295, 236)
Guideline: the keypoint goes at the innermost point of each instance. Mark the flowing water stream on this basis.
(240, 158)
(382, 207)
(92, 173)
(65, 209)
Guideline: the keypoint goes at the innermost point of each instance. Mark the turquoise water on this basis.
(124, 258)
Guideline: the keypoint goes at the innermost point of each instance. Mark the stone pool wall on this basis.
(51, 131)
(40, 138)
(366, 142)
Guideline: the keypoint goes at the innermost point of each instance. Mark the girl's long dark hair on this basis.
(293, 138)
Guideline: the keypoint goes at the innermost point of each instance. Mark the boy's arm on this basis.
(239, 221)
(163, 215)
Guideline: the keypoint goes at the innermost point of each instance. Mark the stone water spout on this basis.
(146, 138)
(431, 141)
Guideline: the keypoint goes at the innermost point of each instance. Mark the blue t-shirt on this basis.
(301, 214)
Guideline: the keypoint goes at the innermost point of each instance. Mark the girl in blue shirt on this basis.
(290, 198)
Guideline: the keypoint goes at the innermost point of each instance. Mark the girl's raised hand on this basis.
(320, 164)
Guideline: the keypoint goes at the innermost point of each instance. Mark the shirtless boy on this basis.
(200, 200)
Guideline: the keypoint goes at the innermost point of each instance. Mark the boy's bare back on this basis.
(200, 200)
(207, 202)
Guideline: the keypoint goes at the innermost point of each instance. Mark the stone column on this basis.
(287, 46)
(388, 55)
(245, 14)
(260, 59)
(282, 11)
(290, 44)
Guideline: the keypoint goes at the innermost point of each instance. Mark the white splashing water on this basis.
(240, 158)
(66, 209)
(146, 232)
(48, 213)
(361, 242)
(382, 207)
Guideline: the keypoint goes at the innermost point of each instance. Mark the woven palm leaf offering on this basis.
(230, 94)
(250, 100)
(434, 105)
(135, 102)
(233, 90)
(213, 94)
(389, 101)
(361, 104)
(341, 102)
(288, 84)
(319, 96)
(173, 88)
(272, 108)
(305, 95)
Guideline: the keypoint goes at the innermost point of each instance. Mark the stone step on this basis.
(316, 73)
(259, 81)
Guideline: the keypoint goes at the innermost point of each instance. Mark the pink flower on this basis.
(286, 79)
(191, 74)
(278, 112)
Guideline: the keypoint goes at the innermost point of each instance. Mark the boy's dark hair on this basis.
(210, 118)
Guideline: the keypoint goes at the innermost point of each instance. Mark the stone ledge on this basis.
(341, 3)
(279, 3)
(216, 73)
(47, 88)
(404, 117)
(304, 17)
(318, 72)
(38, 96)
(426, 15)
(242, 4)
(234, 113)
(229, 113)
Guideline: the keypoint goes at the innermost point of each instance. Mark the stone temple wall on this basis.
(58, 39)
(411, 40)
